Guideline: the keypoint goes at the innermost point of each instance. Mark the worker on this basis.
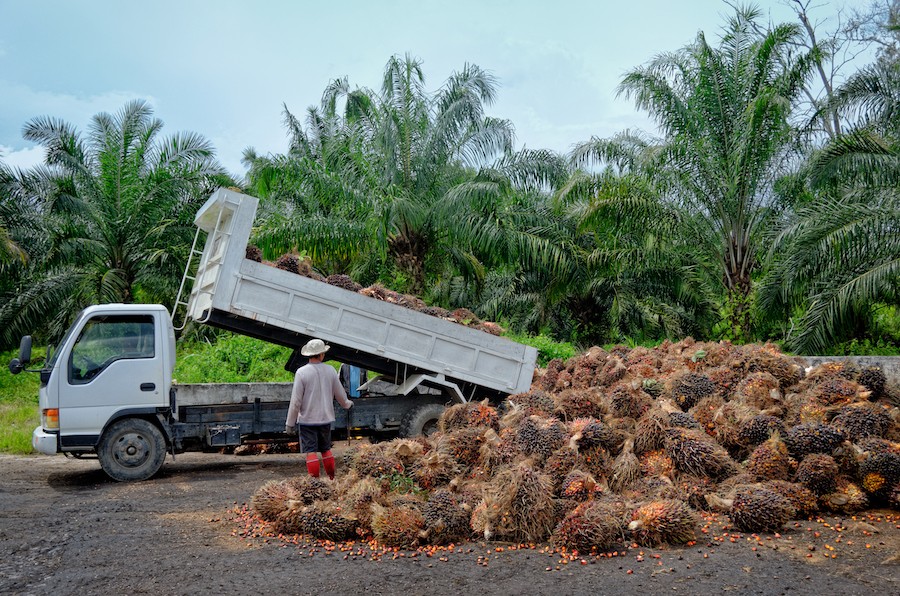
(351, 378)
(311, 410)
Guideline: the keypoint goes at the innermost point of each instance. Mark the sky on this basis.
(225, 69)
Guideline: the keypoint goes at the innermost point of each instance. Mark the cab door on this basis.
(115, 365)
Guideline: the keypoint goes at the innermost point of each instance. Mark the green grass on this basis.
(232, 359)
(547, 348)
(17, 421)
(864, 347)
(18, 406)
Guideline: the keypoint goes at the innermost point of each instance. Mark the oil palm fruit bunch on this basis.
(629, 402)
(626, 469)
(359, 498)
(326, 520)
(760, 390)
(862, 421)
(758, 429)
(577, 403)
(558, 465)
(873, 379)
(253, 253)
(589, 432)
(879, 473)
(818, 472)
(683, 420)
(725, 378)
(464, 445)
(483, 414)
(497, 450)
(397, 525)
(656, 463)
(771, 461)
(579, 486)
(446, 519)
(757, 509)
(289, 263)
(541, 436)
(535, 402)
(803, 500)
(270, 500)
(454, 418)
(688, 389)
(650, 431)
(804, 439)
(342, 280)
(847, 497)
(517, 506)
(551, 374)
(666, 521)
(592, 526)
(435, 469)
(839, 391)
(695, 453)
(309, 489)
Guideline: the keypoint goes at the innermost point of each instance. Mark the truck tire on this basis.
(421, 420)
(131, 449)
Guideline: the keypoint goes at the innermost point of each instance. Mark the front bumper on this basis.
(44, 442)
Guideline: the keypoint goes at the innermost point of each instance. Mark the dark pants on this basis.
(315, 438)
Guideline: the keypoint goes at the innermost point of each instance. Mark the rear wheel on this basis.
(131, 449)
(421, 420)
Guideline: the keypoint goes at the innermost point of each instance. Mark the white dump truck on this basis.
(107, 387)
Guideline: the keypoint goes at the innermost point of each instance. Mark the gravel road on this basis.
(66, 529)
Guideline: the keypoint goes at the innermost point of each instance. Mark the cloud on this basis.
(21, 158)
(20, 103)
(557, 96)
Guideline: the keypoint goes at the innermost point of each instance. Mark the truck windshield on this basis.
(54, 350)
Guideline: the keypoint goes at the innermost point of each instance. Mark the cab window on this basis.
(108, 338)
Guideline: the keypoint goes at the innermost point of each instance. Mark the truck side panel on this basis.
(282, 299)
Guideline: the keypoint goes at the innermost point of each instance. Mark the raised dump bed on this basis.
(413, 348)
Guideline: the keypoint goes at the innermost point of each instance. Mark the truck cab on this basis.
(114, 364)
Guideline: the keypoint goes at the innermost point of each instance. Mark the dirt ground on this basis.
(66, 529)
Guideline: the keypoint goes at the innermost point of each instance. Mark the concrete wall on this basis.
(889, 364)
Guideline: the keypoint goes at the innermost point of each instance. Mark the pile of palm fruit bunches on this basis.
(294, 264)
(619, 447)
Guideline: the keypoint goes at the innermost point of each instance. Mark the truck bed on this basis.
(262, 301)
(227, 414)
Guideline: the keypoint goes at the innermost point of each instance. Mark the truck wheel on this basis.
(131, 449)
(421, 420)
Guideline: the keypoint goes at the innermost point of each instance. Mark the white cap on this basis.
(314, 347)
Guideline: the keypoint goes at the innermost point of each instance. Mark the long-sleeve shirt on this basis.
(315, 386)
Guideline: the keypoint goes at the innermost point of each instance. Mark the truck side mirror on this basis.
(17, 365)
(25, 350)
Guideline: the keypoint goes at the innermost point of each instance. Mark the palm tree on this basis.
(317, 190)
(641, 271)
(723, 115)
(13, 214)
(118, 207)
(402, 176)
(840, 256)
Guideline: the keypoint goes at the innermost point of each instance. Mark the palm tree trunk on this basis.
(738, 299)
(408, 252)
